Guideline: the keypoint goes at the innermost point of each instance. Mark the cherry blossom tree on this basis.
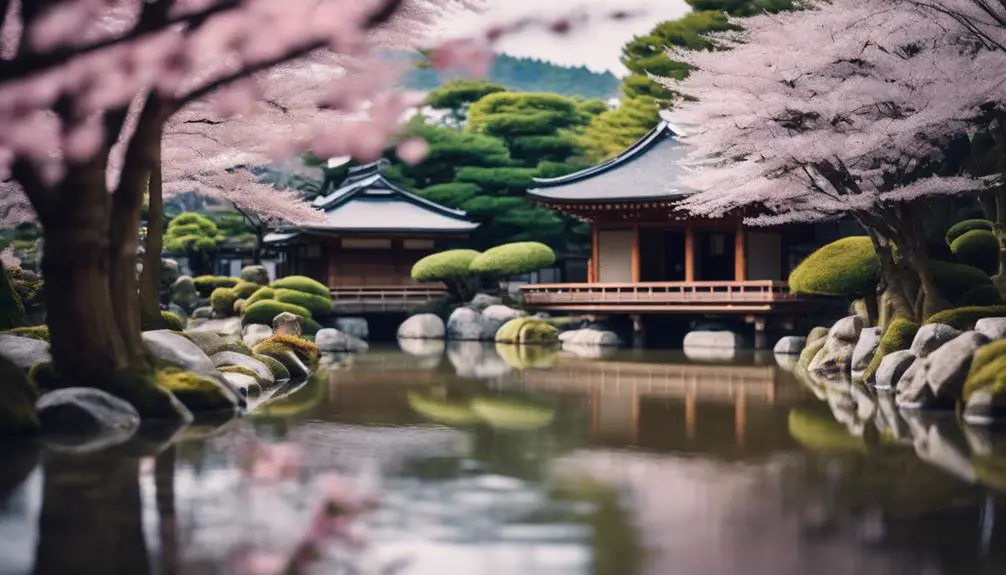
(858, 107)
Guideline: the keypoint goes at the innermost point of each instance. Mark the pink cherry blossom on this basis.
(413, 150)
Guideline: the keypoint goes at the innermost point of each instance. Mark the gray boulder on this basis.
(178, 350)
(333, 340)
(467, 324)
(985, 407)
(893, 367)
(256, 333)
(177, 310)
(353, 326)
(256, 275)
(224, 327)
(261, 370)
(931, 336)
(23, 351)
(502, 313)
(287, 323)
(476, 360)
(790, 345)
(716, 339)
(992, 327)
(866, 348)
(913, 392)
(204, 312)
(483, 300)
(947, 367)
(243, 384)
(422, 326)
(592, 337)
(85, 419)
(847, 329)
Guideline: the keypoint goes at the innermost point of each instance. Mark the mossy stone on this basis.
(527, 330)
(259, 295)
(279, 371)
(40, 332)
(222, 301)
(986, 366)
(897, 336)
(964, 318)
(197, 392)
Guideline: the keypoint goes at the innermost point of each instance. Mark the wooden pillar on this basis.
(690, 253)
(690, 415)
(635, 254)
(595, 268)
(740, 419)
(740, 255)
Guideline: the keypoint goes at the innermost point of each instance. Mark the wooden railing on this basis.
(383, 298)
(695, 294)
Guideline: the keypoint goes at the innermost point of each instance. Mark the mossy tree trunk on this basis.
(891, 291)
(11, 308)
(150, 278)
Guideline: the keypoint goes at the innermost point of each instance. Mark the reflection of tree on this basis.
(91, 518)
(19, 458)
(164, 481)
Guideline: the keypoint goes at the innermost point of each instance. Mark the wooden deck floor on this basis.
(748, 297)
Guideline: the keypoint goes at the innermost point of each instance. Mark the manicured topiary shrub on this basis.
(319, 306)
(527, 330)
(245, 289)
(450, 264)
(222, 301)
(846, 267)
(988, 365)
(33, 332)
(959, 229)
(264, 311)
(898, 336)
(513, 259)
(197, 392)
(954, 279)
(981, 296)
(964, 318)
(17, 402)
(279, 371)
(302, 284)
(206, 284)
(264, 293)
(978, 248)
(11, 309)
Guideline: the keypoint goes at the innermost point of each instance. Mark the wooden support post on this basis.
(635, 254)
(740, 419)
(759, 332)
(595, 267)
(740, 255)
(689, 254)
(690, 415)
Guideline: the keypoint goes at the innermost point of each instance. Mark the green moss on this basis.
(513, 259)
(11, 308)
(988, 363)
(978, 248)
(212, 343)
(821, 433)
(898, 336)
(306, 351)
(262, 294)
(264, 311)
(959, 229)
(279, 371)
(457, 413)
(512, 413)
(527, 330)
(222, 301)
(141, 389)
(206, 284)
(17, 402)
(172, 321)
(302, 284)
(243, 371)
(964, 318)
(955, 279)
(286, 356)
(521, 357)
(195, 391)
(981, 296)
(449, 264)
(33, 332)
(245, 289)
(809, 351)
(319, 306)
(846, 267)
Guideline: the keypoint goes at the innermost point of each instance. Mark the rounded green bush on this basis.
(898, 336)
(222, 301)
(303, 284)
(978, 248)
(203, 224)
(960, 228)
(954, 279)
(206, 284)
(245, 289)
(981, 296)
(964, 318)
(846, 267)
(444, 265)
(264, 311)
(264, 293)
(513, 259)
(319, 306)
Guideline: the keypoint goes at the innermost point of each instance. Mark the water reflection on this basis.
(496, 459)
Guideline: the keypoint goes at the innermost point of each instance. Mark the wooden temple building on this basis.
(374, 231)
(649, 258)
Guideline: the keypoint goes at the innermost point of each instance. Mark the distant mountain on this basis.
(529, 75)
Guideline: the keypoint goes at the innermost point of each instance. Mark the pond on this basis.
(506, 461)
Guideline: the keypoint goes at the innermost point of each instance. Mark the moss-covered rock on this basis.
(302, 284)
(197, 392)
(319, 306)
(513, 259)
(40, 332)
(222, 301)
(305, 355)
(212, 343)
(172, 321)
(446, 265)
(17, 402)
(262, 294)
(846, 267)
(255, 274)
(527, 331)
(898, 336)
(960, 228)
(279, 371)
(11, 308)
(978, 248)
(206, 284)
(988, 364)
(964, 318)
(265, 311)
(245, 371)
(244, 289)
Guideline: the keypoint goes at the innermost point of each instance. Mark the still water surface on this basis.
(505, 462)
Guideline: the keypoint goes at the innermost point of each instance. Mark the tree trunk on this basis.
(1000, 230)
(150, 279)
(892, 292)
(167, 518)
(872, 309)
(124, 241)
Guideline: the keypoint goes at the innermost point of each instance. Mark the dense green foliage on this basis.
(978, 248)
(983, 295)
(244, 289)
(954, 280)
(222, 301)
(898, 336)
(964, 318)
(959, 229)
(302, 284)
(264, 311)
(845, 267)
(206, 284)
(450, 264)
(513, 259)
(456, 96)
(319, 306)
(11, 309)
(531, 75)
(191, 232)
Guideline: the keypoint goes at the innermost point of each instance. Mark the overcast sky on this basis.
(597, 46)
